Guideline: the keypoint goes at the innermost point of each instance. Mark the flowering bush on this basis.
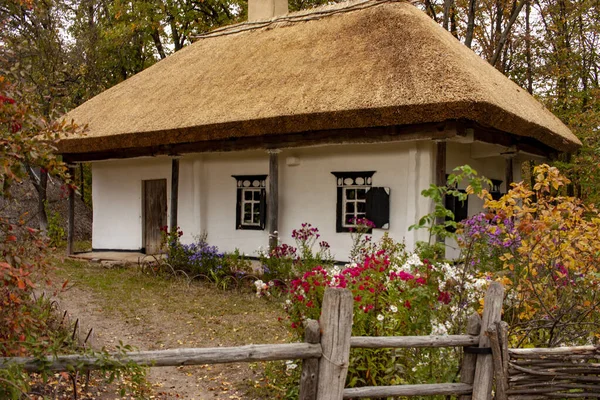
(545, 248)
(360, 239)
(201, 260)
(285, 262)
(395, 293)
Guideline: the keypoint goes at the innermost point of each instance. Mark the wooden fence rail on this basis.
(325, 354)
(175, 357)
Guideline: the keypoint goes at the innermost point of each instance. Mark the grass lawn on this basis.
(153, 312)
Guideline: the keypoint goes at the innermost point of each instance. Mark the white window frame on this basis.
(356, 200)
(254, 206)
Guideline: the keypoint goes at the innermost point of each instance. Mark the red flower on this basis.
(407, 304)
(11, 238)
(444, 297)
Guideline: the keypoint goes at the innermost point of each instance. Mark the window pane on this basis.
(361, 207)
(361, 194)
(350, 207)
(256, 218)
(247, 195)
(359, 215)
(350, 219)
(257, 195)
(351, 194)
(247, 208)
(247, 218)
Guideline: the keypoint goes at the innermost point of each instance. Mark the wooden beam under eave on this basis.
(368, 135)
(174, 193)
(273, 199)
(71, 215)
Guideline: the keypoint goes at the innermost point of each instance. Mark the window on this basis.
(460, 208)
(357, 198)
(495, 189)
(251, 205)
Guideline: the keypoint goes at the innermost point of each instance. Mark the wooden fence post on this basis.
(336, 330)
(484, 370)
(467, 371)
(495, 334)
(310, 366)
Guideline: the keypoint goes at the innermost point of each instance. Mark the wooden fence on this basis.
(326, 351)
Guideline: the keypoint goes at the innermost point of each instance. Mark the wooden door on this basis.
(155, 213)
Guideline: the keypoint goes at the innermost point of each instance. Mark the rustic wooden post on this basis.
(174, 193)
(82, 188)
(508, 171)
(273, 199)
(71, 214)
(310, 366)
(484, 370)
(501, 379)
(336, 330)
(440, 173)
(467, 371)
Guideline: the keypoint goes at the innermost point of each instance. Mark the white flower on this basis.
(393, 308)
(380, 318)
(438, 329)
(290, 365)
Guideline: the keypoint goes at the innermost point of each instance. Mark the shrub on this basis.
(285, 262)
(545, 248)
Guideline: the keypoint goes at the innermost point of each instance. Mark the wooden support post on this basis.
(174, 192)
(467, 371)
(484, 370)
(310, 366)
(71, 215)
(82, 187)
(440, 172)
(273, 199)
(509, 176)
(336, 330)
(493, 333)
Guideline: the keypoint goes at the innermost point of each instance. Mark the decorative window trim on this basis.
(349, 180)
(251, 184)
(376, 200)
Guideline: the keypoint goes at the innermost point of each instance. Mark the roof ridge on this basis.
(297, 16)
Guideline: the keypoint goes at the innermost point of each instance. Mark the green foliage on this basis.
(56, 233)
(441, 222)
(285, 262)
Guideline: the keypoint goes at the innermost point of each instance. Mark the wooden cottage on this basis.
(319, 116)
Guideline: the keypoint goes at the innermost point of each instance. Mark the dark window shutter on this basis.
(460, 208)
(238, 210)
(263, 209)
(378, 207)
(339, 212)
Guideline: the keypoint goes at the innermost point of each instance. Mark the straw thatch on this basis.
(374, 63)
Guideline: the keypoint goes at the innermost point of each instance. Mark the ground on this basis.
(150, 313)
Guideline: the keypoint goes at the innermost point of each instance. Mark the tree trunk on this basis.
(470, 23)
(529, 72)
(42, 199)
(504, 35)
(40, 183)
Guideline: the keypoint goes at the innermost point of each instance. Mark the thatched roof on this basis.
(372, 63)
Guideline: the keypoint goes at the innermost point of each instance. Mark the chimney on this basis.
(266, 9)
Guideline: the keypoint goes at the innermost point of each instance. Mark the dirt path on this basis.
(156, 328)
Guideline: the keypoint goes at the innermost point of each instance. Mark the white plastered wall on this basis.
(117, 199)
(307, 193)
